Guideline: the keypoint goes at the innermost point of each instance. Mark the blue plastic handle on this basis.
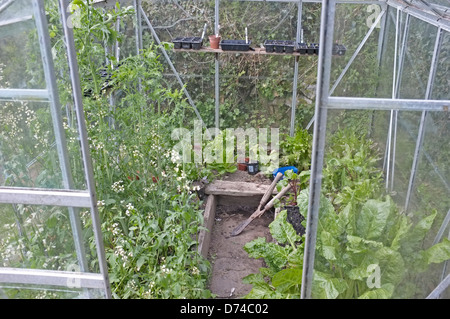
(284, 169)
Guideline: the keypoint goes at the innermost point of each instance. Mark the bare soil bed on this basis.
(230, 262)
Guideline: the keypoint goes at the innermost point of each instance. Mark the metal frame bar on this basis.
(67, 197)
(295, 81)
(49, 197)
(55, 109)
(433, 19)
(24, 94)
(50, 277)
(217, 70)
(84, 145)
(386, 104)
(318, 150)
(440, 288)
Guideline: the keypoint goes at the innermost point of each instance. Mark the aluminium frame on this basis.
(68, 197)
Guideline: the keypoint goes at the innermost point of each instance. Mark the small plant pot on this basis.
(339, 49)
(242, 166)
(295, 219)
(253, 168)
(214, 41)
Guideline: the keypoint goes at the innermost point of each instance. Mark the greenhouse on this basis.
(224, 149)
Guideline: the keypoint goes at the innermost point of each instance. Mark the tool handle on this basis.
(270, 190)
(279, 195)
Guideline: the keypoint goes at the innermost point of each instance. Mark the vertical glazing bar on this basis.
(138, 33)
(217, 69)
(396, 93)
(394, 146)
(295, 82)
(387, 158)
(320, 125)
(421, 133)
(55, 108)
(401, 58)
(84, 144)
(382, 35)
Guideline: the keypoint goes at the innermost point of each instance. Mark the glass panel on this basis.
(20, 56)
(28, 149)
(367, 246)
(417, 60)
(441, 87)
(42, 237)
(352, 24)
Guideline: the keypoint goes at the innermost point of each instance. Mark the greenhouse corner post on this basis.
(322, 95)
(89, 174)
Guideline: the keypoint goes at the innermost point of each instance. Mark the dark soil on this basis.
(295, 219)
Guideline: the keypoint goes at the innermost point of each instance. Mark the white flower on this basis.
(118, 187)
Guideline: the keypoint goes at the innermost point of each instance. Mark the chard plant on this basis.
(366, 246)
(352, 248)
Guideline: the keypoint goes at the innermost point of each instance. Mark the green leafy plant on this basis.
(351, 171)
(368, 237)
(296, 150)
(282, 276)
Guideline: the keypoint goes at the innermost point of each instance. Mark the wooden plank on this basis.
(204, 237)
(240, 189)
(261, 51)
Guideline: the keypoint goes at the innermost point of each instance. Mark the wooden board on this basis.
(254, 51)
(240, 189)
(204, 237)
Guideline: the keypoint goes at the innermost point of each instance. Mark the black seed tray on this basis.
(313, 48)
(302, 47)
(269, 45)
(186, 42)
(279, 46)
(235, 45)
(177, 42)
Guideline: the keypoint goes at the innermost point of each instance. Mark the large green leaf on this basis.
(400, 229)
(439, 252)
(274, 255)
(391, 265)
(260, 289)
(325, 286)
(282, 230)
(330, 245)
(384, 292)
(371, 221)
(412, 242)
(287, 278)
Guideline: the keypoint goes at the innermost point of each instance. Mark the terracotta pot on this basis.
(214, 41)
(242, 166)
